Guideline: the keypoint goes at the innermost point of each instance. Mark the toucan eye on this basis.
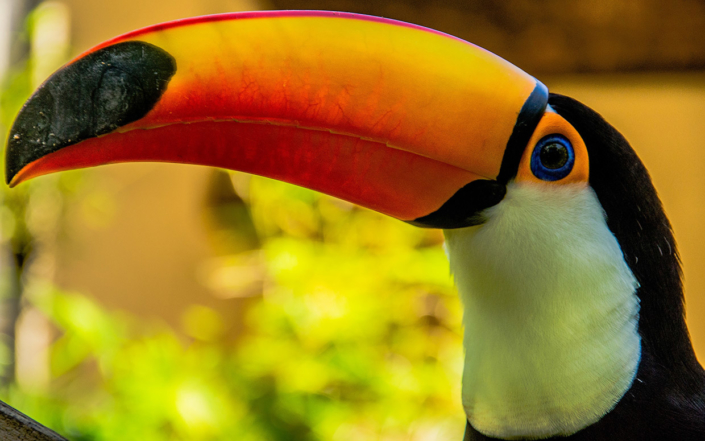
(552, 158)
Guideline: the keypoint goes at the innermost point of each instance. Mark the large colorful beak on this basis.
(401, 119)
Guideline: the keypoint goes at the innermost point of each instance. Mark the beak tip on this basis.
(135, 72)
(11, 179)
(10, 163)
(20, 150)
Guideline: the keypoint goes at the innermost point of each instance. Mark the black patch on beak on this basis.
(92, 96)
(464, 207)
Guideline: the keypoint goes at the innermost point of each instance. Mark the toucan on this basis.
(557, 241)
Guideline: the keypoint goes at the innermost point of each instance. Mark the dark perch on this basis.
(16, 426)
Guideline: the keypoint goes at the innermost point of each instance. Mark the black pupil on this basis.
(554, 155)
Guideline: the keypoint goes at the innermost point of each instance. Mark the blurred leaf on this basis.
(203, 323)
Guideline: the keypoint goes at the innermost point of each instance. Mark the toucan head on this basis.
(556, 237)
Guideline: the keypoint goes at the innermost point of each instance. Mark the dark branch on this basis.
(16, 426)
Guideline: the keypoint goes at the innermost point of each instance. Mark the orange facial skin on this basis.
(553, 123)
(384, 114)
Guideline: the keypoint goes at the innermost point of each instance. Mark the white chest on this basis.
(551, 314)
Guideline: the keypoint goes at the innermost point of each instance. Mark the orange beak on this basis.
(401, 119)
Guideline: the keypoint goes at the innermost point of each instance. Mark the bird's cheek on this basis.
(552, 124)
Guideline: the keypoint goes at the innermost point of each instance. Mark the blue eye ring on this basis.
(553, 158)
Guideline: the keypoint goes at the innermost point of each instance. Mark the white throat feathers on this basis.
(551, 313)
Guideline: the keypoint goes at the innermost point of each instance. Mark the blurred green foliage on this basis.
(355, 335)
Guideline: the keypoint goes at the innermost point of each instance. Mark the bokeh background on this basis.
(169, 302)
